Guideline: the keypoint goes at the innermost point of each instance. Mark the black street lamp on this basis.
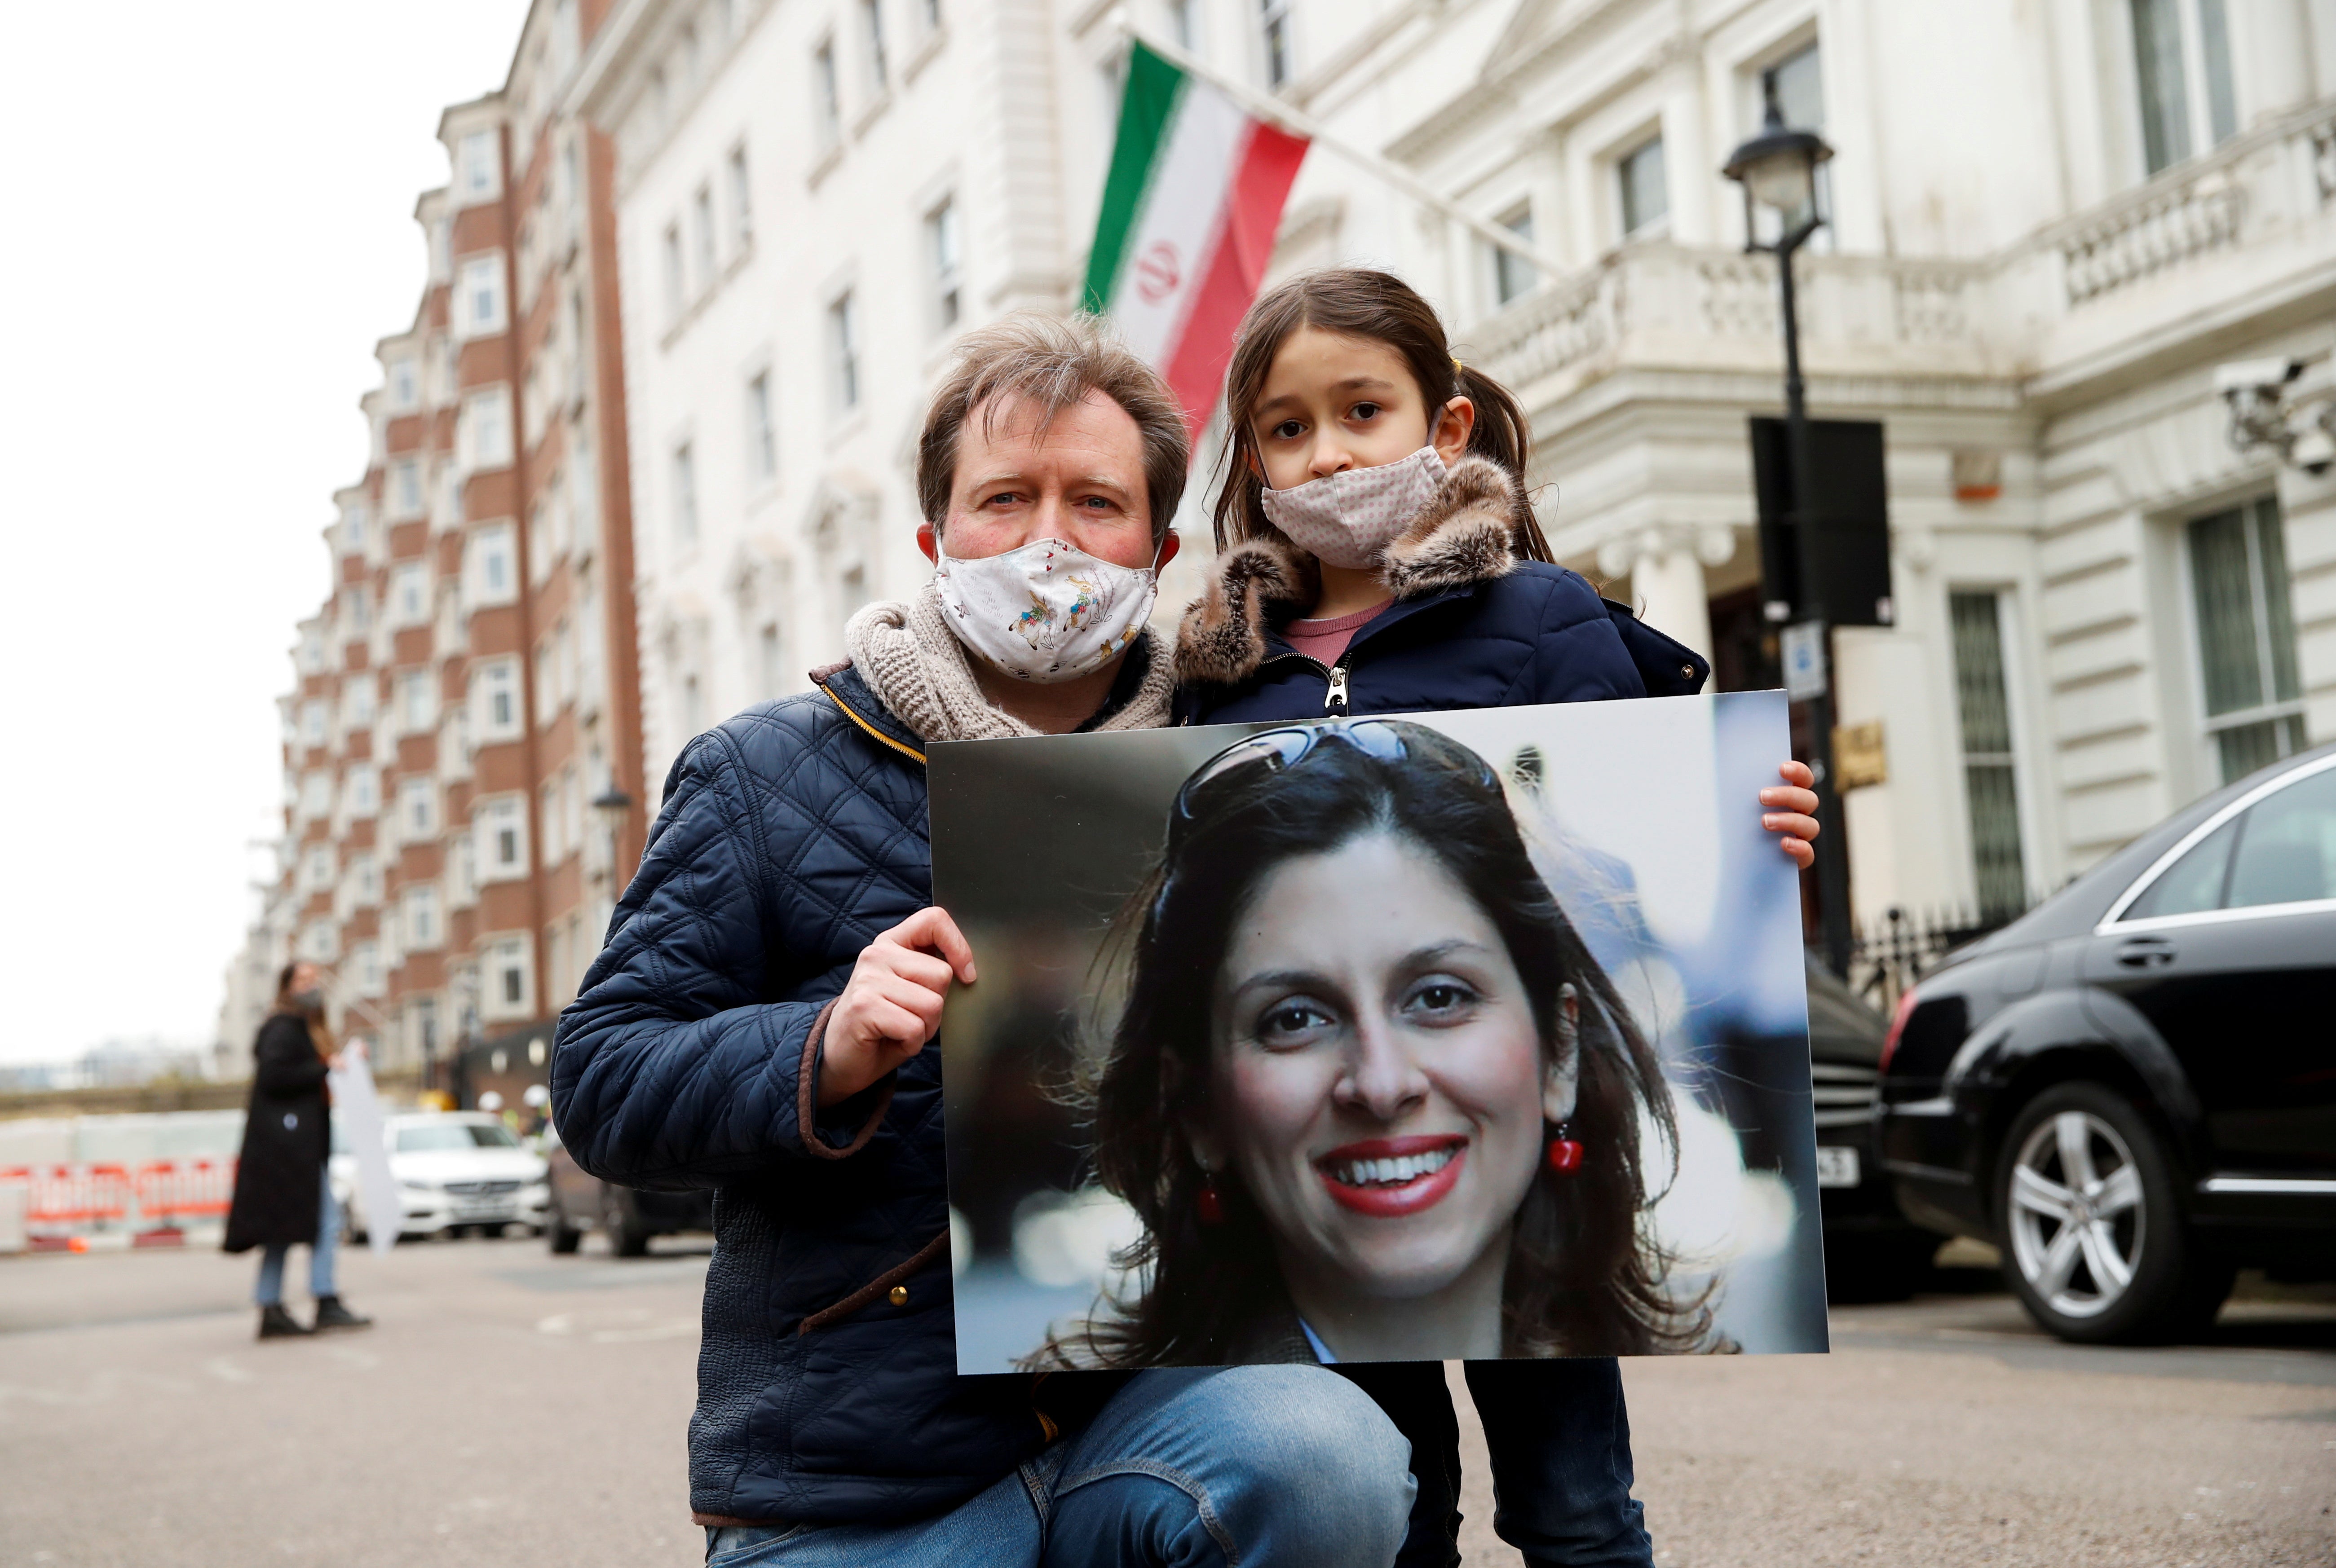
(1778, 171)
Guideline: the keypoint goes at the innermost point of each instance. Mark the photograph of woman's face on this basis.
(1478, 1035)
(1378, 1090)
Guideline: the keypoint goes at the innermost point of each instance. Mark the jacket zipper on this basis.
(1334, 700)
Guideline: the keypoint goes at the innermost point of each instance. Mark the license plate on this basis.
(1836, 1166)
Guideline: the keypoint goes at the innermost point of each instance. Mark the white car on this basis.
(453, 1168)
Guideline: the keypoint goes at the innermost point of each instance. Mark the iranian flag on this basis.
(1189, 213)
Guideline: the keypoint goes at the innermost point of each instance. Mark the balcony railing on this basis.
(2063, 297)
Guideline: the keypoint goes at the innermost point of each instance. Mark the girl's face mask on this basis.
(1349, 519)
(1047, 612)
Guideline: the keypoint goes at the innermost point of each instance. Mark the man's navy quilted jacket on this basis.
(791, 836)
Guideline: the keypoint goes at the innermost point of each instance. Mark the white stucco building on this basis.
(2052, 220)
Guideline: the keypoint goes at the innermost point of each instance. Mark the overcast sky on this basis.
(211, 222)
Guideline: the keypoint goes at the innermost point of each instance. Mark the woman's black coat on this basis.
(287, 1140)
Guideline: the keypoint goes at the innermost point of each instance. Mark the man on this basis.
(760, 1018)
(283, 1195)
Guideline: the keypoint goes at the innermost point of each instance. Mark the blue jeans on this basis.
(1277, 1466)
(1559, 1441)
(271, 1290)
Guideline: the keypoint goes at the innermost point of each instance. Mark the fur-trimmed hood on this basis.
(1466, 537)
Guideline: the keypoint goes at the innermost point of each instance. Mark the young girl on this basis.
(1377, 555)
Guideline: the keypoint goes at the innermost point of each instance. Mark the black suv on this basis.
(2131, 1090)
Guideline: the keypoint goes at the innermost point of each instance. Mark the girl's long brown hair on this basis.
(1583, 1275)
(1377, 308)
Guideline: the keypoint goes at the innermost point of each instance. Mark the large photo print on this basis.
(1472, 1035)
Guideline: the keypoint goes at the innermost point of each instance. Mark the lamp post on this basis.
(1778, 171)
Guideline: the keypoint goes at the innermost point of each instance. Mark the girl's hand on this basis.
(1790, 810)
(892, 1005)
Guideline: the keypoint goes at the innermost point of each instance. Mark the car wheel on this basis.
(628, 1237)
(2094, 1244)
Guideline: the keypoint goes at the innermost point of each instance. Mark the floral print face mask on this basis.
(1047, 612)
(1349, 519)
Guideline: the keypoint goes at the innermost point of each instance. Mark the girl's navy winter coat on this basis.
(1472, 626)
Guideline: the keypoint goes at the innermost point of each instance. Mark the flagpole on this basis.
(1265, 106)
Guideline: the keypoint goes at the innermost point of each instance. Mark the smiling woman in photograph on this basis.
(1370, 1093)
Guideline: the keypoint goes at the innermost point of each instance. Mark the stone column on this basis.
(1664, 564)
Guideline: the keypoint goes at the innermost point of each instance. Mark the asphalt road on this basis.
(513, 1406)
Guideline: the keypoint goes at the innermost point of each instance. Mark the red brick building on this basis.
(461, 749)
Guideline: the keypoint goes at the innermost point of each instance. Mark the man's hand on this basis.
(893, 1004)
(1790, 810)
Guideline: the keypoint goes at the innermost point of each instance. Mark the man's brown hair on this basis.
(1053, 362)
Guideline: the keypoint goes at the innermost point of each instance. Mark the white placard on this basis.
(361, 1120)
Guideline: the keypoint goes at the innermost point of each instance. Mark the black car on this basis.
(2131, 1090)
(1872, 1252)
(582, 1201)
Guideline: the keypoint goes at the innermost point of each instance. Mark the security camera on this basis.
(2260, 376)
(2314, 451)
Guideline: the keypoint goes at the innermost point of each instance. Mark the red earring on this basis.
(1211, 1202)
(1564, 1151)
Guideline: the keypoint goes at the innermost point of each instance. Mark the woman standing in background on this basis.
(283, 1195)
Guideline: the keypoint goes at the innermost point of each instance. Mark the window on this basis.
(674, 292)
(421, 915)
(701, 226)
(404, 385)
(1988, 782)
(742, 198)
(1646, 196)
(368, 879)
(872, 27)
(2286, 852)
(2281, 850)
(771, 656)
(480, 170)
(1273, 20)
(547, 814)
(417, 808)
(693, 704)
(494, 564)
(2177, 43)
(1180, 21)
(365, 963)
(409, 594)
(364, 792)
(479, 298)
(502, 840)
(319, 868)
(942, 251)
(826, 101)
(844, 351)
(358, 703)
(1795, 86)
(405, 488)
(510, 973)
(353, 528)
(932, 13)
(684, 496)
(1513, 276)
(497, 710)
(316, 795)
(417, 705)
(358, 611)
(486, 429)
(762, 438)
(316, 719)
(2246, 637)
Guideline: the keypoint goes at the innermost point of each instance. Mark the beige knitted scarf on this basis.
(917, 668)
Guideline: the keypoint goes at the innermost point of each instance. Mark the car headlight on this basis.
(417, 1187)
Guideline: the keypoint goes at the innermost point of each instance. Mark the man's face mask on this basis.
(1349, 519)
(1047, 612)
